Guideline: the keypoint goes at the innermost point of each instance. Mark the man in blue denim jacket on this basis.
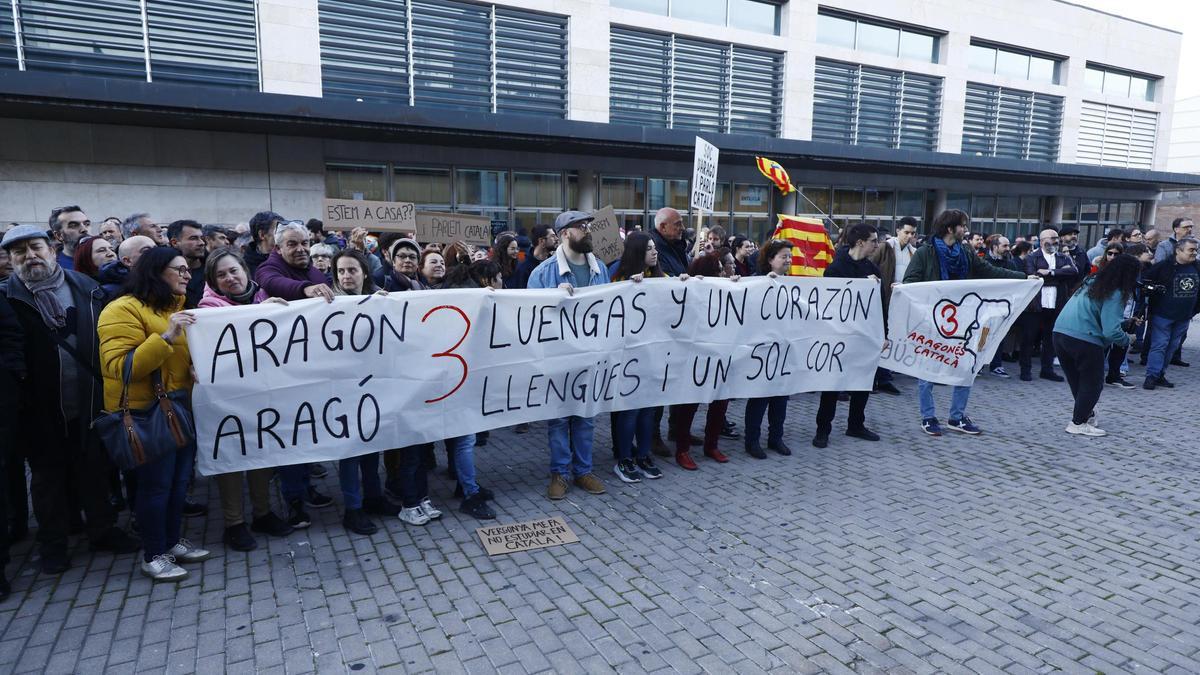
(572, 266)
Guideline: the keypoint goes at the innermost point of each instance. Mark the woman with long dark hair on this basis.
(1093, 321)
(149, 321)
(774, 260)
(507, 253)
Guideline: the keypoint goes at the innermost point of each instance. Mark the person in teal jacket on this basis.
(1093, 321)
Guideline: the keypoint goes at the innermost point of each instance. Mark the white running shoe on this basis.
(1085, 429)
(429, 509)
(163, 568)
(414, 515)
(186, 552)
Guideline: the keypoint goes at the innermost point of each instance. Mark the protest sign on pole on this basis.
(704, 185)
(607, 243)
(447, 228)
(948, 331)
(347, 214)
(315, 381)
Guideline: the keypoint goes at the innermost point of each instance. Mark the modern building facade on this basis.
(1021, 112)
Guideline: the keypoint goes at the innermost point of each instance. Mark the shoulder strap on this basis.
(83, 363)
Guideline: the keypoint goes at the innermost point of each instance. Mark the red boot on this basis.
(716, 455)
(685, 460)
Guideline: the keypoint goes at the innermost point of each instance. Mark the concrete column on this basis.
(1149, 211)
(789, 204)
(939, 202)
(587, 190)
(1056, 210)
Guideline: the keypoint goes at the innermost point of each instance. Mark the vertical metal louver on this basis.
(639, 78)
(1116, 136)
(878, 107)
(1000, 122)
(203, 42)
(8, 39)
(452, 55)
(663, 80)
(355, 63)
(96, 37)
(531, 63)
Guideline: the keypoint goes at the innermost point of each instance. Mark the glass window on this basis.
(669, 192)
(983, 210)
(1012, 64)
(1141, 88)
(1008, 208)
(573, 192)
(1070, 213)
(708, 11)
(422, 186)
(749, 197)
(1089, 212)
(1043, 70)
(958, 200)
(834, 30)
(761, 17)
(880, 39)
(1031, 209)
(622, 192)
(721, 199)
(537, 189)
(356, 181)
(880, 202)
(1116, 84)
(1108, 212)
(982, 58)
(655, 6)
(1093, 78)
(911, 203)
(482, 187)
(819, 198)
(918, 46)
(848, 203)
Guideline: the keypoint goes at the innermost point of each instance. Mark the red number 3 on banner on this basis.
(449, 353)
(948, 314)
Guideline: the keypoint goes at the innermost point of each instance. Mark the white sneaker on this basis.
(163, 568)
(185, 552)
(429, 509)
(1085, 429)
(414, 516)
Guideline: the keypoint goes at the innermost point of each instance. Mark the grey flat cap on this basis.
(23, 233)
(569, 218)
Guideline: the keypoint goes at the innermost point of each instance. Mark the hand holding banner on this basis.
(948, 331)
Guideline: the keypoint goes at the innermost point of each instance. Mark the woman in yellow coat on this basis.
(148, 320)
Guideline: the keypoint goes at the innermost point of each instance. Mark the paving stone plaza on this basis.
(1023, 550)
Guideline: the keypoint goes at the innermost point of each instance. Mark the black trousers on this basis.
(1037, 327)
(858, 410)
(59, 462)
(1083, 366)
(1116, 356)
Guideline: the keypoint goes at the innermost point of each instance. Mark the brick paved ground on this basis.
(1023, 550)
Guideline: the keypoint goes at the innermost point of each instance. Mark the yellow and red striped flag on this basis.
(812, 250)
(775, 173)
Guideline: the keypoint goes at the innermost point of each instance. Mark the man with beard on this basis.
(1068, 240)
(978, 244)
(57, 310)
(188, 237)
(69, 224)
(572, 266)
(288, 273)
(1058, 274)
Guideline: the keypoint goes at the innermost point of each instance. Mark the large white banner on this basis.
(314, 381)
(948, 331)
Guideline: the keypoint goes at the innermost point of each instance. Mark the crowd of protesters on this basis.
(90, 314)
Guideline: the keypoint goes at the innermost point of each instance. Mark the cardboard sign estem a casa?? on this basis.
(347, 214)
(526, 536)
(607, 243)
(447, 228)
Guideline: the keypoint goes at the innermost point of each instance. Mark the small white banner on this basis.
(315, 381)
(948, 331)
(704, 175)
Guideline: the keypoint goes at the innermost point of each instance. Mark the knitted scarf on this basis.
(952, 260)
(46, 299)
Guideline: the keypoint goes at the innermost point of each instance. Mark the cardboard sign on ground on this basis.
(607, 243)
(447, 228)
(347, 214)
(527, 536)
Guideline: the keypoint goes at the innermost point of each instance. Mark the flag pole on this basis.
(699, 231)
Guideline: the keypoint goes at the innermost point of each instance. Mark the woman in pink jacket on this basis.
(228, 284)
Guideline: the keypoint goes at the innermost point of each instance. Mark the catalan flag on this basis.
(812, 250)
(775, 173)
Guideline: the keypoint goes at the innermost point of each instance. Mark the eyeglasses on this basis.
(406, 256)
(1112, 254)
(584, 225)
(182, 270)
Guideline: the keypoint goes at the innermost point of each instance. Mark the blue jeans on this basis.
(162, 488)
(293, 481)
(353, 487)
(462, 448)
(958, 400)
(633, 424)
(570, 445)
(775, 408)
(1165, 337)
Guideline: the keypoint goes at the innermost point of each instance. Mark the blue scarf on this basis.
(952, 260)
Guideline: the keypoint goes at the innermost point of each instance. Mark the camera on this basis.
(1148, 288)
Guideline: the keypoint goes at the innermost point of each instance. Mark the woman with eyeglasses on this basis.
(322, 259)
(149, 322)
(774, 260)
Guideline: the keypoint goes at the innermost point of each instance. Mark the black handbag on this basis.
(137, 437)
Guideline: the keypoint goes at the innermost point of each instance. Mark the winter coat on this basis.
(129, 324)
(281, 280)
(672, 255)
(925, 266)
(213, 298)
